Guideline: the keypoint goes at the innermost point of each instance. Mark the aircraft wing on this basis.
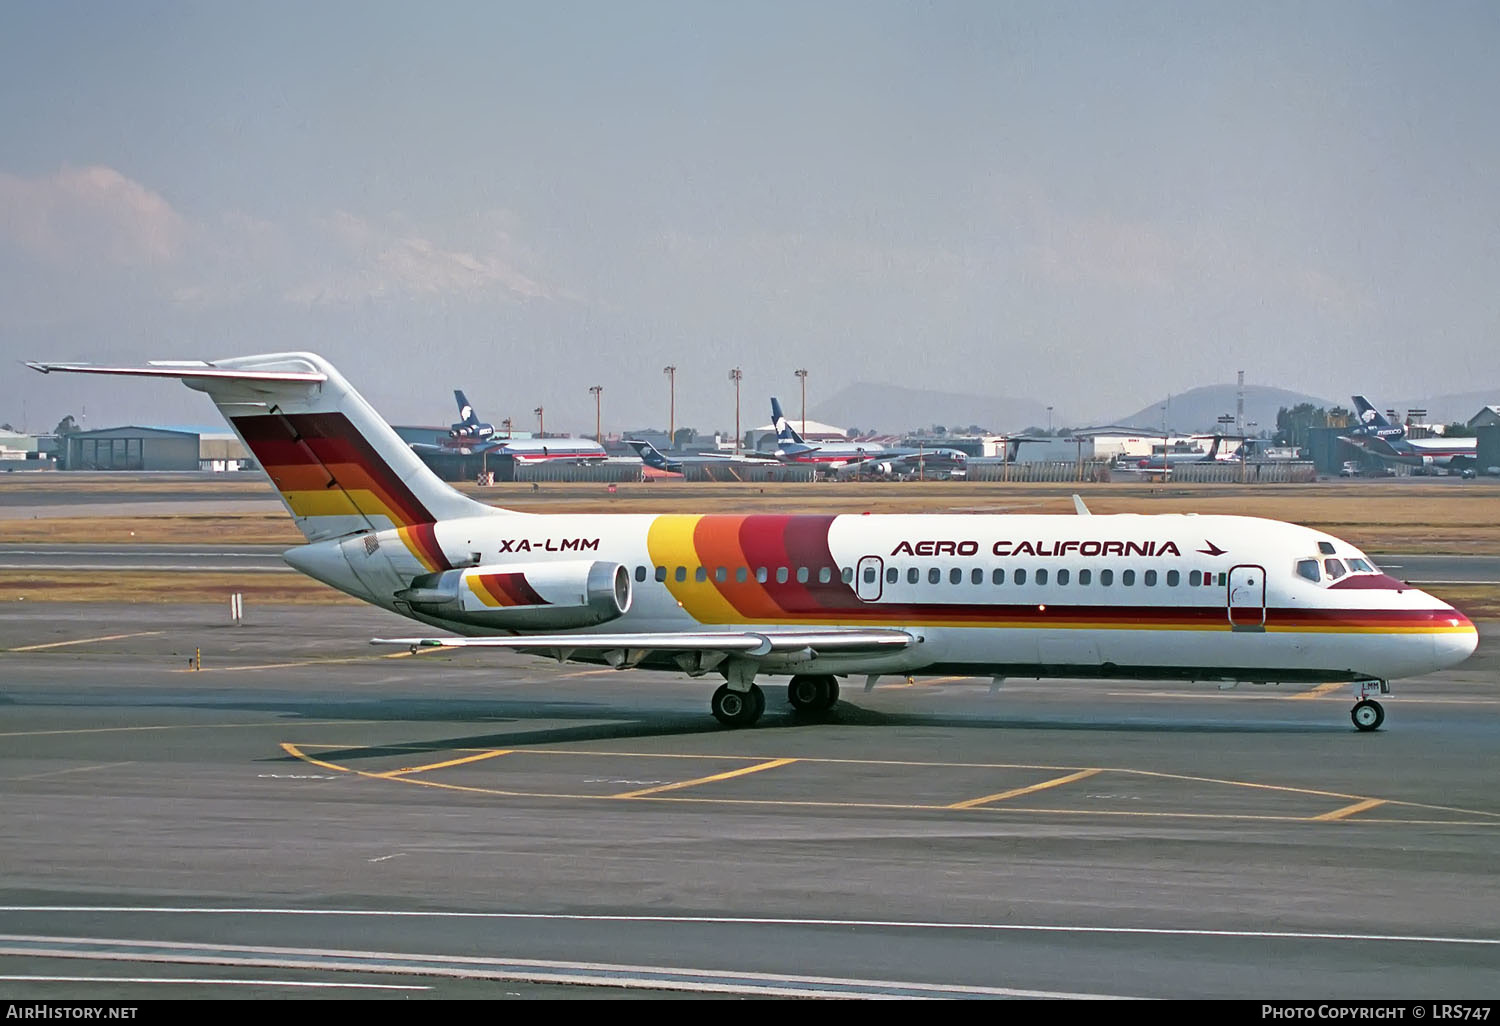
(628, 649)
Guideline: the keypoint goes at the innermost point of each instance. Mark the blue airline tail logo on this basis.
(1372, 422)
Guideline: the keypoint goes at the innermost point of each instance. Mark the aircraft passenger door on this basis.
(868, 578)
(1247, 597)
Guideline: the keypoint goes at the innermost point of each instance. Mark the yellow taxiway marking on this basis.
(84, 641)
(706, 780)
(308, 662)
(1349, 810)
(1321, 690)
(1017, 792)
(75, 769)
(1484, 818)
(450, 762)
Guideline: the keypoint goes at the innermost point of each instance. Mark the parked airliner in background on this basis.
(816, 597)
(471, 436)
(1378, 436)
(655, 459)
(850, 459)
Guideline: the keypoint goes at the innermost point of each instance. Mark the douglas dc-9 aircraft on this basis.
(1211, 598)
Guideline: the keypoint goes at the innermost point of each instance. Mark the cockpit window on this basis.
(1335, 568)
(1326, 548)
(1361, 565)
(1309, 568)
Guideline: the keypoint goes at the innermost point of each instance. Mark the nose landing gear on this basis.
(1367, 713)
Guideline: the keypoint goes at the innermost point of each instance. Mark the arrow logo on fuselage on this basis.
(1212, 550)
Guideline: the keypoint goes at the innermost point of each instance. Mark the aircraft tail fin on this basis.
(650, 455)
(465, 409)
(339, 467)
(1373, 422)
(785, 433)
(1213, 450)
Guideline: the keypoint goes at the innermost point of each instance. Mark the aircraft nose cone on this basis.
(1457, 642)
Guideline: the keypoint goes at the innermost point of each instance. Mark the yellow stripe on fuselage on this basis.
(670, 542)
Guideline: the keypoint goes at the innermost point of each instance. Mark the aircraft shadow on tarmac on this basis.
(847, 715)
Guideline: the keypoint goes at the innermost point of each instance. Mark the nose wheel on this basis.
(1367, 714)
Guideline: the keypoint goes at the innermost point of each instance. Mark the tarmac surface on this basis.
(306, 816)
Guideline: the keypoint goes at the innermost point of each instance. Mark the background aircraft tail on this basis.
(785, 434)
(465, 410)
(650, 455)
(1373, 422)
(339, 467)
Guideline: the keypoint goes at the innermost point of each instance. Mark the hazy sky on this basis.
(1092, 204)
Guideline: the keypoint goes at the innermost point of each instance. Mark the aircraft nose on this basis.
(1457, 642)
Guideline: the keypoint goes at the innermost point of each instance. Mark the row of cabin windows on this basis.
(893, 575)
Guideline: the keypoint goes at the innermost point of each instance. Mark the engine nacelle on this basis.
(524, 596)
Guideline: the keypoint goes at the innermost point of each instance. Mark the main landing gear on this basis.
(813, 693)
(1367, 713)
(742, 705)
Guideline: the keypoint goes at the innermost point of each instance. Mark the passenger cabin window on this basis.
(1127, 578)
(700, 574)
(1041, 577)
(869, 575)
(681, 574)
(760, 574)
(892, 575)
(1334, 568)
(1195, 578)
(721, 574)
(976, 576)
(1020, 577)
(661, 573)
(1149, 579)
(847, 574)
(1062, 577)
(934, 576)
(912, 575)
(1085, 577)
(998, 577)
(1106, 577)
(802, 575)
(825, 574)
(781, 575)
(740, 574)
(955, 576)
(1173, 578)
(1309, 568)
(640, 573)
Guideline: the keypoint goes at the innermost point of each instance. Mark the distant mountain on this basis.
(891, 409)
(1199, 409)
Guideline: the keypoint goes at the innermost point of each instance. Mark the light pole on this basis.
(671, 372)
(506, 422)
(598, 391)
(735, 376)
(541, 425)
(1049, 420)
(802, 373)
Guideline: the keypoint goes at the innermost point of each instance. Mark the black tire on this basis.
(833, 692)
(805, 693)
(1367, 715)
(737, 708)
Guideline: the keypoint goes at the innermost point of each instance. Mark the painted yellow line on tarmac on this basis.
(707, 780)
(84, 641)
(450, 762)
(306, 662)
(75, 769)
(1017, 792)
(1321, 690)
(1349, 810)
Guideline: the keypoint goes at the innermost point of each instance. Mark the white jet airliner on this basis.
(1174, 596)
